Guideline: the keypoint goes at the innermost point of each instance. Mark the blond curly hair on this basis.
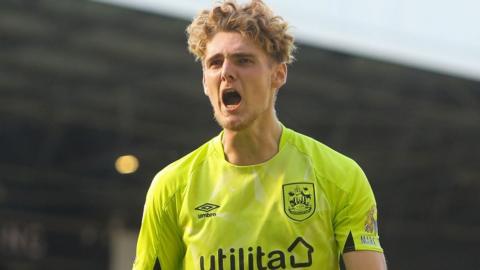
(254, 20)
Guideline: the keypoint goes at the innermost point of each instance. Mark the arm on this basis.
(364, 260)
(356, 228)
(159, 237)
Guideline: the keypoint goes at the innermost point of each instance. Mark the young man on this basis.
(259, 195)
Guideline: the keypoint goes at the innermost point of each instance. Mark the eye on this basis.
(215, 63)
(244, 60)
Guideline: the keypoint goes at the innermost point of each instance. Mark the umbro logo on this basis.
(206, 208)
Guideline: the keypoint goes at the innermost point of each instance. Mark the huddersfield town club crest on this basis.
(299, 200)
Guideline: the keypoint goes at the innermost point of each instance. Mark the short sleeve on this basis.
(159, 236)
(355, 223)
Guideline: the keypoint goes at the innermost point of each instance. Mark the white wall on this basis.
(122, 248)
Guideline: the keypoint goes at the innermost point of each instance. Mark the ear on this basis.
(279, 76)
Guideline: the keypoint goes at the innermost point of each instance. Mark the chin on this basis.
(233, 124)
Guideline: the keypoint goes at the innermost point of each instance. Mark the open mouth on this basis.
(231, 98)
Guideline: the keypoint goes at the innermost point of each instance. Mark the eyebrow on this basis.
(234, 55)
(240, 55)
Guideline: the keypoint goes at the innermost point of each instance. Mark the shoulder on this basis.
(329, 164)
(173, 179)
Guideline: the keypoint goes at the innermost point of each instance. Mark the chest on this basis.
(256, 218)
(256, 205)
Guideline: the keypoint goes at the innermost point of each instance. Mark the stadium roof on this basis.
(440, 36)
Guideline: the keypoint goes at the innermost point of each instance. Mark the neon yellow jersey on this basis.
(300, 210)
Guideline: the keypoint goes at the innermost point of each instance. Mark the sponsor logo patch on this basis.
(371, 221)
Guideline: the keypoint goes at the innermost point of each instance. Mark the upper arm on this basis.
(355, 221)
(159, 237)
(364, 260)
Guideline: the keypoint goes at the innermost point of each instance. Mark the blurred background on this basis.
(96, 97)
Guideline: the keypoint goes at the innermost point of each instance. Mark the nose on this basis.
(227, 71)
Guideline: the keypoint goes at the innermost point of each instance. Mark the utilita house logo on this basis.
(297, 255)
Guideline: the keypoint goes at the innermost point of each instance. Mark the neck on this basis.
(252, 145)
